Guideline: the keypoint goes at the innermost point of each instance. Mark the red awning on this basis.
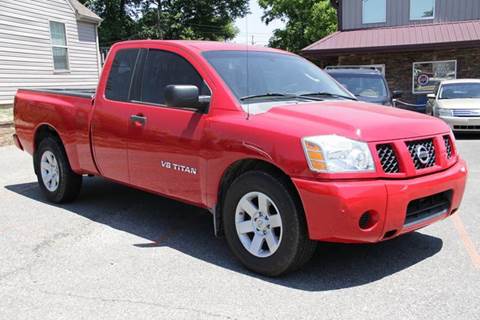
(404, 38)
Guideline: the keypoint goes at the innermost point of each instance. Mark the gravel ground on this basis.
(6, 114)
(119, 253)
(6, 132)
(6, 127)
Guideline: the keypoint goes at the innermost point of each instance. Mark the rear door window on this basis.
(164, 68)
(120, 77)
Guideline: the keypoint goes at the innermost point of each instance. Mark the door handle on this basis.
(138, 120)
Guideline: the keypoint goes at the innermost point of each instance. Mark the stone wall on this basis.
(398, 66)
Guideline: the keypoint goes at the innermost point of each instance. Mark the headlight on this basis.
(336, 154)
(445, 112)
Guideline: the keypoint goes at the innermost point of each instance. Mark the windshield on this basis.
(363, 85)
(460, 91)
(271, 76)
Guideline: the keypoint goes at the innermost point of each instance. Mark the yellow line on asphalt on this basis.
(467, 241)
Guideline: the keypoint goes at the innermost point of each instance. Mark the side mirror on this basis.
(431, 96)
(397, 94)
(186, 96)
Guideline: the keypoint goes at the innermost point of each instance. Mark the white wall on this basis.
(25, 47)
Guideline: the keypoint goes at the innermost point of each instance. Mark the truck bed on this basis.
(65, 110)
(81, 93)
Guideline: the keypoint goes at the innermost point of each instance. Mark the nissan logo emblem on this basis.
(422, 154)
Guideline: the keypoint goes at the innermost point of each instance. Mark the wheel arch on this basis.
(43, 131)
(240, 167)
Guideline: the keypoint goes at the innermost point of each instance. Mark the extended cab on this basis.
(278, 152)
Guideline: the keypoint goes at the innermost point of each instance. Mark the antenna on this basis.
(247, 71)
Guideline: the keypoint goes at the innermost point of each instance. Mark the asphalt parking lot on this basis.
(122, 253)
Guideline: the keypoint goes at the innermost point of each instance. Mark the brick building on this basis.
(416, 43)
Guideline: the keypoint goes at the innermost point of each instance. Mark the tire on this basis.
(55, 177)
(284, 243)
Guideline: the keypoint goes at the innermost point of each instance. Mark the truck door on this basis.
(164, 143)
(111, 117)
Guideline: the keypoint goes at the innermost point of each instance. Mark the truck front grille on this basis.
(448, 146)
(409, 158)
(427, 208)
(388, 158)
(422, 153)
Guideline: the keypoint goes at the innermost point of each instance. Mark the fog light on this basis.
(368, 220)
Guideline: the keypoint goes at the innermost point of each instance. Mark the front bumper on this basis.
(463, 123)
(334, 208)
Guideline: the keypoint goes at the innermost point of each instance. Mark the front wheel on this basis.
(265, 225)
(55, 177)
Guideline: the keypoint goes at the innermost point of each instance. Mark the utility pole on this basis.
(159, 25)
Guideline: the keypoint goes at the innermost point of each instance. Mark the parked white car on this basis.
(457, 102)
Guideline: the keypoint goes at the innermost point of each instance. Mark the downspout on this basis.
(99, 57)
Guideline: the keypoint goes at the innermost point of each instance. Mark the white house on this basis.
(47, 44)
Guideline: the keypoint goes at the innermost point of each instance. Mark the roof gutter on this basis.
(88, 19)
(390, 49)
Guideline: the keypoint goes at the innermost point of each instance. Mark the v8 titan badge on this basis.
(178, 167)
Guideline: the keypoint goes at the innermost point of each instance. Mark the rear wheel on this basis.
(265, 225)
(55, 177)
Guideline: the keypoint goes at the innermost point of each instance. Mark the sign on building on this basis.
(426, 75)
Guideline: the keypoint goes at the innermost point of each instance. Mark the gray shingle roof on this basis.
(83, 13)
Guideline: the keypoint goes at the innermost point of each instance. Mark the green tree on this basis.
(186, 19)
(306, 21)
(167, 19)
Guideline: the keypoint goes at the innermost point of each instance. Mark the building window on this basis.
(59, 46)
(427, 75)
(374, 11)
(422, 9)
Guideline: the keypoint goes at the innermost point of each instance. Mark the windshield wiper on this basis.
(267, 95)
(327, 94)
(279, 95)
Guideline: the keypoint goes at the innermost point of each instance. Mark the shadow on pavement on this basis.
(164, 222)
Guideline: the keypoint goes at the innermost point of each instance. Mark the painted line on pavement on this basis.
(467, 241)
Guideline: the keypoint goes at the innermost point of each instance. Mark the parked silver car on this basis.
(457, 102)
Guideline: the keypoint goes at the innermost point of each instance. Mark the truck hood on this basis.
(459, 103)
(355, 120)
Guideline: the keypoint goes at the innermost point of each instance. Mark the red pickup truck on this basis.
(277, 151)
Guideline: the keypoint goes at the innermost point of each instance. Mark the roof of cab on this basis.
(202, 46)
